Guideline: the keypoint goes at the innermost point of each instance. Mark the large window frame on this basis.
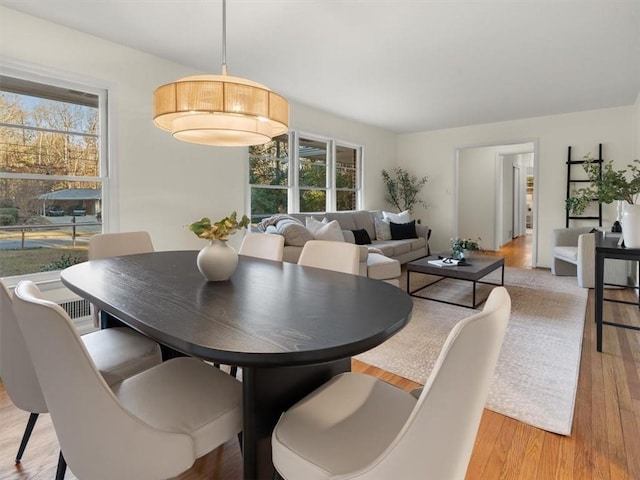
(299, 157)
(106, 169)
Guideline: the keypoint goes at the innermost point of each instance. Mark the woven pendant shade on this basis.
(220, 110)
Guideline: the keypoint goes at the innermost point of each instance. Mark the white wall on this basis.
(433, 153)
(636, 128)
(165, 184)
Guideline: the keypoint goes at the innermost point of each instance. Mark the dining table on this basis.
(290, 328)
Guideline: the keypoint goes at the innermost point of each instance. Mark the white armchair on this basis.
(574, 254)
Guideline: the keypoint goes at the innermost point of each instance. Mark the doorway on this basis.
(495, 196)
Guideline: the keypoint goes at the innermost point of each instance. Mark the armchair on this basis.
(574, 254)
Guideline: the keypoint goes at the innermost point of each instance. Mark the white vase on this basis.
(631, 226)
(217, 261)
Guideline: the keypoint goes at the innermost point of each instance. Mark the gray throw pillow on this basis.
(295, 234)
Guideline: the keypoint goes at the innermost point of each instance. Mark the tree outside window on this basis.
(50, 178)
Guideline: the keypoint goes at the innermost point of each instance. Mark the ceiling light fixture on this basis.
(220, 109)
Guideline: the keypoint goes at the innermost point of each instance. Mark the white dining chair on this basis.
(359, 427)
(262, 245)
(105, 245)
(337, 256)
(152, 425)
(118, 353)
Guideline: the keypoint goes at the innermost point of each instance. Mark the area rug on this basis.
(537, 372)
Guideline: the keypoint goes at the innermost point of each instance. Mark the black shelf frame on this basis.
(571, 181)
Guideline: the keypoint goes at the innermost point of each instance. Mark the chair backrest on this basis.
(439, 435)
(263, 245)
(107, 245)
(17, 372)
(337, 256)
(96, 434)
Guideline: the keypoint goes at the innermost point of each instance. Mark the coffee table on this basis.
(479, 266)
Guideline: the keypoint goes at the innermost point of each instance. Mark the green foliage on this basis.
(606, 187)
(220, 230)
(460, 244)
(403, 189)
(66, 260)
(8, 215)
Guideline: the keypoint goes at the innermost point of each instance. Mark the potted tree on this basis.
(609, 185)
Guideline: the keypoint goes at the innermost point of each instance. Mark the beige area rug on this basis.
(537, 373)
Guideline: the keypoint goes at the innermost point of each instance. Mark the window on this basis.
(52, 173)
(315, 175)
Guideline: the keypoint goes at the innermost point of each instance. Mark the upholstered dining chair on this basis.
(151, 425)
(105, 245)
(262, 245)
(338, 256)
(358, 427)
(117, 353)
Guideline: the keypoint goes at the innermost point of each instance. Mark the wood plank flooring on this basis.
(604, 445)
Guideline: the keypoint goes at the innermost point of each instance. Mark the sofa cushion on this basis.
(568, 254)
(386, 247)
(325, 230)
(345, 219)
(418, 243)
(403, 231)
(364, 219)
(361, 237)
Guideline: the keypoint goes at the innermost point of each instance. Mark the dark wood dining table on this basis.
(290, 328)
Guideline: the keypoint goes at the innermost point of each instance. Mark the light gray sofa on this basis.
(376, 259)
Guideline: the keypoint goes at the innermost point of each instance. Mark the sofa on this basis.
(381, 259)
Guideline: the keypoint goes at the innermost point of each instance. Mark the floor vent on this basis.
(76, 308)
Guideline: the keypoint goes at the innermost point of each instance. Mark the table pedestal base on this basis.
(268, 392)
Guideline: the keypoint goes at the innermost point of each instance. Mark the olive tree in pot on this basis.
(403, 189)
(610, 186)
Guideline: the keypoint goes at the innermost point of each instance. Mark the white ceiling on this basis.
(403, 65)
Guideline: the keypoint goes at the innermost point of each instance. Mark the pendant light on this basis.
(220, 109)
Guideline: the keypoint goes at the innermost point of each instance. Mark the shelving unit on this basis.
(572, 180)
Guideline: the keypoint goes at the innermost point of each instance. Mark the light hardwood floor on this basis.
(605, 441)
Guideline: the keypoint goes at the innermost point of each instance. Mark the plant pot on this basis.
(217, 261)
(631, 226)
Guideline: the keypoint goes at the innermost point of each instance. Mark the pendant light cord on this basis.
(224, 37)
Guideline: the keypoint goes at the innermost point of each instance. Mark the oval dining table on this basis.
(290, 328)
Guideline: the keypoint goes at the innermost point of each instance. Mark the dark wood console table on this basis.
(290, 327)
(608, 248)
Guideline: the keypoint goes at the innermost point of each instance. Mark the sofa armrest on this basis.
(424, 231)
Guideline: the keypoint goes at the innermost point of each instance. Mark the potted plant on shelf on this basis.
(217, 261)
(607, 186)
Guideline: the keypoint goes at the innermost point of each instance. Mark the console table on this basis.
(608, 247)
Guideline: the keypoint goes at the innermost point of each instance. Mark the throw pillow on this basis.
(402, 217)
(325, 230)
(383, 231)
(403, 231)
(361, 237)
(294, 233)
